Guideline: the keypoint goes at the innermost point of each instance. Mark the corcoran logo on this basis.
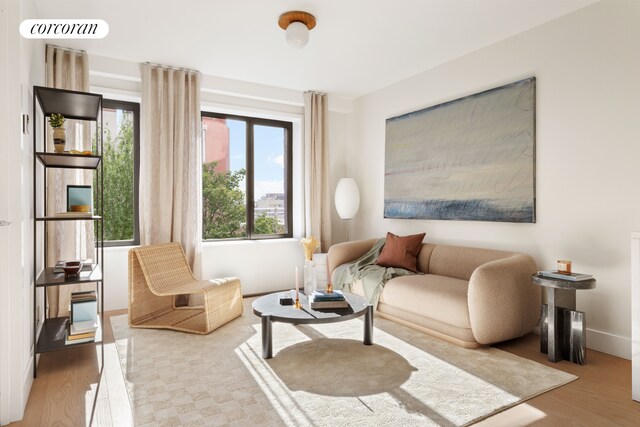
(64, 29)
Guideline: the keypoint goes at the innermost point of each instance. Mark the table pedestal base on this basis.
(267, 332)
(562, 334)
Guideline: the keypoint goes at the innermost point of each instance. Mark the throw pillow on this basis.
(401, 251)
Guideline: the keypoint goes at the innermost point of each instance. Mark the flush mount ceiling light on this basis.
(297, 25)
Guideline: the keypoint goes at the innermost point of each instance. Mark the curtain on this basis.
(171, 160)
(317, 192)
(67, 240)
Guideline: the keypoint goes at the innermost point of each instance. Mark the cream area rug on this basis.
(320, 375)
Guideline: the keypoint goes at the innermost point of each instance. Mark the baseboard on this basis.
(614, 345)
(609, 343)
(27, 382)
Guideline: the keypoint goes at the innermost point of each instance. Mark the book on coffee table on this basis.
(328, 296)
(315, 304)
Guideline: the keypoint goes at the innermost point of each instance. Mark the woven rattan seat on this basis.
(159, 273)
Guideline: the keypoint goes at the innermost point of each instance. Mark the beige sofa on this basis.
(468, 296)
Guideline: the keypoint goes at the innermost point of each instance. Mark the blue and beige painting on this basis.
(468, 159)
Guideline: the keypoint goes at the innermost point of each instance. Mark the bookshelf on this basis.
(50, 334)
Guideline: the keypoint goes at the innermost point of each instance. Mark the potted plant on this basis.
(56, 121)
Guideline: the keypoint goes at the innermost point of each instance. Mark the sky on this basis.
(268, 155)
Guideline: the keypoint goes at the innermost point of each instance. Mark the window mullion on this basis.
(250, 180)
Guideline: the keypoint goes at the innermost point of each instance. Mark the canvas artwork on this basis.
(468, 159)
(79, 198)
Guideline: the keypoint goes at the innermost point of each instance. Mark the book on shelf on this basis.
(88, 326)
(328, 296)
(79, 338)
(82, 295)
(574, 277)
(87, 265)
(76, 337)
(84, 310)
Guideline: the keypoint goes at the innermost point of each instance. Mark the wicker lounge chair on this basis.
(159, 273)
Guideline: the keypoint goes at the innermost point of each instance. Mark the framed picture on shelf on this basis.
(79, 198)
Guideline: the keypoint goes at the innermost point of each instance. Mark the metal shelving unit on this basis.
(77, 106)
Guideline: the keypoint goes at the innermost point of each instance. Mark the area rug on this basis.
(320, 375)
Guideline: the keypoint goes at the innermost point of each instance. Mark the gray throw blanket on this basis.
(373, 276)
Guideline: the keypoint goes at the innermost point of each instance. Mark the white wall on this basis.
(23, 66)
(587, 66)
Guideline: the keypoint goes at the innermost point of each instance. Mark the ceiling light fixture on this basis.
(297, 25)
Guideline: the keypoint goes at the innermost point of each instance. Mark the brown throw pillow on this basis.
(401, 251)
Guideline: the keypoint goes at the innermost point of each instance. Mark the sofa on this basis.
(468, 296)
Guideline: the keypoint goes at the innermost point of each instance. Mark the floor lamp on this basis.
(347, 199)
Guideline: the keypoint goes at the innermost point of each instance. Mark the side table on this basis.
(562, 328)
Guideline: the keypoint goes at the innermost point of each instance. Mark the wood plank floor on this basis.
(70, 391)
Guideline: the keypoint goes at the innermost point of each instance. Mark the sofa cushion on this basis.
(401, 251)
(460, 262)
(438, 297)
(425, 323)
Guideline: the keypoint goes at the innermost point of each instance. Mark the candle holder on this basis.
(297, 304)
(564, 266)
(329, 288)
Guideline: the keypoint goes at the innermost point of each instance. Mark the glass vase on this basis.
(310, 281)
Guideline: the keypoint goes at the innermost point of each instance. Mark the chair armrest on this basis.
(342, 253)
(503, 302)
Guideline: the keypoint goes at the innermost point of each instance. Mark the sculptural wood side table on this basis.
(562, 328)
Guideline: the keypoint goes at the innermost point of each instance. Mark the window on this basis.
(246, 177)
(121, 148)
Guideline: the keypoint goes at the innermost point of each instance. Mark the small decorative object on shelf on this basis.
(79, 198)
(71, 268)
(87, 265)
(56, 121)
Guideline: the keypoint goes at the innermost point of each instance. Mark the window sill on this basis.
(241, 242)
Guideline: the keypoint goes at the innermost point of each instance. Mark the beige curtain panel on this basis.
(67, 240)
(316, 149)
(170, 160)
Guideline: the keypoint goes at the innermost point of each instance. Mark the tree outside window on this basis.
(246, 177)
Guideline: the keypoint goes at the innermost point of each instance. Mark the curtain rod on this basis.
(170, 67)
(68, 49)
(315, 91)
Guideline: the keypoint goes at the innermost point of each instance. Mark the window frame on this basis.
(135, 107)
(249, 166)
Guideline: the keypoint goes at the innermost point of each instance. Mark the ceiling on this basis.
(357, 47)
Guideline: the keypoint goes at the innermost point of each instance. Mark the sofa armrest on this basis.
(348, 251)
(503, 302)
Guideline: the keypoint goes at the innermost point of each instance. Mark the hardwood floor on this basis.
(70, 391)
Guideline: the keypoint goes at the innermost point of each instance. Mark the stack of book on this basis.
(83, 318)
(324, 299)
(574, 277)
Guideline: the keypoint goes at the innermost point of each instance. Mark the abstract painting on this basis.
(472, 158)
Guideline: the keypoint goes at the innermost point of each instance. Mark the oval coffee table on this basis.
(268, 308)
